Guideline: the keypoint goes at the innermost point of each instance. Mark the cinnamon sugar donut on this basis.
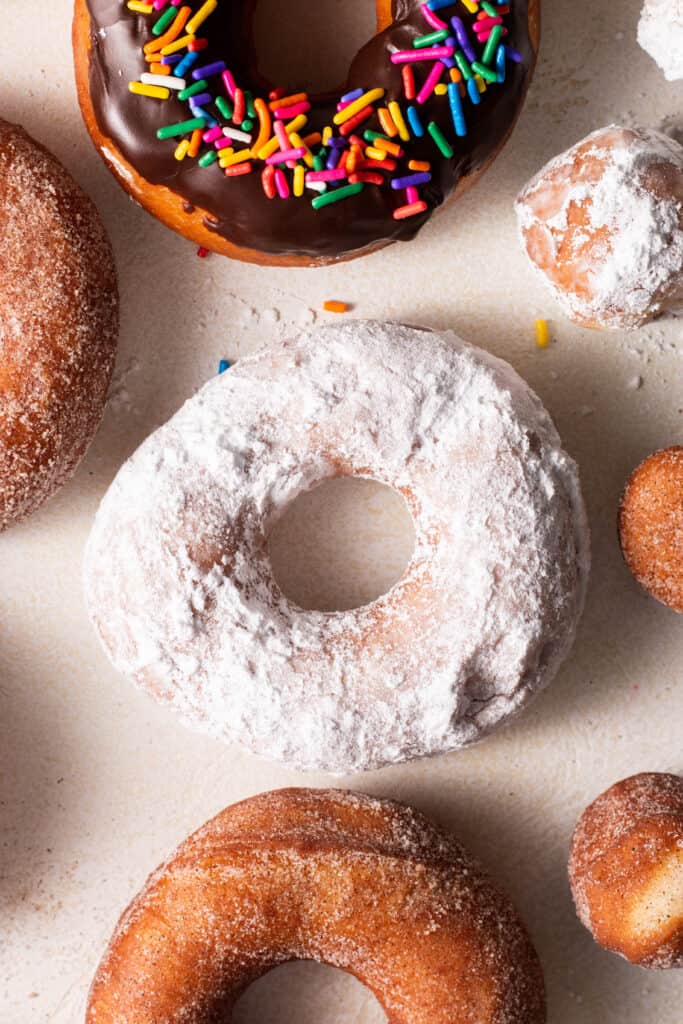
(626, 869)
(198, 147)
(365, 885)
(58, 324)
(603, 224)
(651, 525)
(180, 588)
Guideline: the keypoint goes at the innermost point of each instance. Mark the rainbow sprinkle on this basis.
(227, 126)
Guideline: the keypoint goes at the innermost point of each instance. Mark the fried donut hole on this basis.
(626, 869)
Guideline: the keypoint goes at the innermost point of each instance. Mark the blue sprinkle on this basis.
(186, 63)
(457, 112)
(223, 366)
(415, 122)
(436, 5)
(473, 91)
(500, 63)
(197, 111)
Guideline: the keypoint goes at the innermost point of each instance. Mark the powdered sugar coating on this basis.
(660, 33)
(603, 223)
(179, 585)
(365, 885)
(58, 324)
(626, 869)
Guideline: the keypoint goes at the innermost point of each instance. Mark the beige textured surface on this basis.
(97, 784)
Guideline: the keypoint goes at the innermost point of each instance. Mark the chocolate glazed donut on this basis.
(233, 216)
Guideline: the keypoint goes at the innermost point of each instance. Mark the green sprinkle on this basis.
(431, 39)
(461, 61)
(171, 130)
(192, 90)
(489, 8)
(370, 136)
(249, 103)
(336, 194)
(487, 73)
(247, 124)
(224, 107)
(440, 139)
(209, 158)
(164, 21)
(319, 162)
(492, 44)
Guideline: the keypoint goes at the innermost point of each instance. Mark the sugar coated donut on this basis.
(603, 224)
(660, 33)
(626, 869)
(180, 588)
(58, 323)
(175, 104)
(365, 885)
(651, 525)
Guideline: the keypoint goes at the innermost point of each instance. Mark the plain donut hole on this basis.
(307, 993)
(308, 46)
(341, 544)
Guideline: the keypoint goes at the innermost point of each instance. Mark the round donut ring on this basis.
(180, 587)
(365, 885)
(267, 215)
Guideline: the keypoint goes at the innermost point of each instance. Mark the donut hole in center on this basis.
(305, 992)
(300, 45)
(342, 544)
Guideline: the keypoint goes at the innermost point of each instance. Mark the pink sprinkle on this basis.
(428, 53)
(484, 35)
(282, 156)
(282, 136)
(335, 175)
(433, 19)
(412, 195)
(431, 82)
(224, 143)
(228, 80)
(285, 113)
(484, 23)
(158, 4)
(281, 184)
(212, 134)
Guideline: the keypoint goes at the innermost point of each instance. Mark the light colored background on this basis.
(98, 784)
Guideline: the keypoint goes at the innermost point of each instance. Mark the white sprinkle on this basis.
(167, 81)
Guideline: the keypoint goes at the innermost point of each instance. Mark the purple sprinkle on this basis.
(209, 69)
(411, 180)
(337, 143)
(173, 58)
(199, 101)
(333, 159)
(349, 97)
(514, 55)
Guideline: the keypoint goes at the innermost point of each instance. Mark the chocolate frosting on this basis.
(237, 207)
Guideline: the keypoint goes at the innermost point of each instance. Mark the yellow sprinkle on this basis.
(181, 149)
(202, 14)
(542, 333)
(180, 44)
(270, 147)
(375, 154)
(235, 158)
(298, 180)
(139, 7)
(327, 135)
(297, 124)
(332, 306)
(354, 108)
(481, 84)
(397, 117)
(441, 89)
(155, 91)
(297, 142)
(470, 5)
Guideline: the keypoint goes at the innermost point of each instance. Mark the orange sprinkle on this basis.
(160, 69)
(332, 306)
(195, 143)
(154, 45)
(265, 124)
(310, 140)
(419, 165)
(288, 101)
(409, 211)
(387, 122)
(389, 147)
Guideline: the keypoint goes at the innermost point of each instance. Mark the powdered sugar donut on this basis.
(603, 223)
(180, 588)
(660, 33)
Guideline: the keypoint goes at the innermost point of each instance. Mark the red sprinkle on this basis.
(408, 81)
(198, 44)
(202, 252)
(357, 119)
(237, 169)
(268, 181)
(367, 177)
(410, 211)
(239, 108)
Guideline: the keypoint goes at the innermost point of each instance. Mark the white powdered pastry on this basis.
(660, 33)
(181, 592)
(603, 223)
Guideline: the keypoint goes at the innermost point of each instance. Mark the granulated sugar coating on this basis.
(58, 324)
(603, 225)
(180, 588)
(365, 885)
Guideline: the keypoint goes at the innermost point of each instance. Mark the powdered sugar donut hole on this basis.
(660, 33)
(603, 225)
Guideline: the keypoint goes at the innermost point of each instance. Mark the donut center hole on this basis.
(303, 45)
(307, 993)
(342, 544)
